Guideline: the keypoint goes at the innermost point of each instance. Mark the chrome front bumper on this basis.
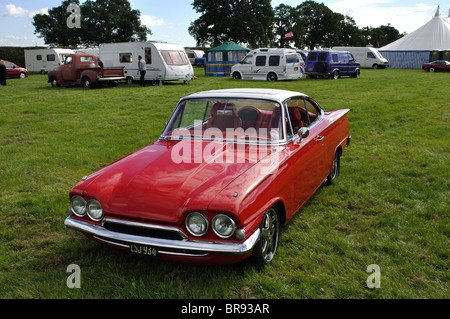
(164, 246)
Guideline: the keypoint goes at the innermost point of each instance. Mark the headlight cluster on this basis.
(92, 208)
(222, 225)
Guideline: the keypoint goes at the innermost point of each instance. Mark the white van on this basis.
(165, 61)
(368, 57)
(44, 60)
(269, 64)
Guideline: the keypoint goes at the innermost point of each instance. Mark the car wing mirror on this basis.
(303, 132)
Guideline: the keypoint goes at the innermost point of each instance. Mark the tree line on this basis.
(256, 24)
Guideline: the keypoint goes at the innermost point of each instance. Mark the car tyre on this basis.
(54, 82)
(272, 77)
(267, 244)
(375, 66)
(335, 169)
(130, 80)
(335, 75)
(86, 82)
(432, 69)
(22, 75)
(237, 76)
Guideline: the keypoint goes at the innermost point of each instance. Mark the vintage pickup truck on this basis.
(84, 69)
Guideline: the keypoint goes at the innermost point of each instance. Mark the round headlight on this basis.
(94, 210)
(78, 206)
(196, 224)
(223, 226)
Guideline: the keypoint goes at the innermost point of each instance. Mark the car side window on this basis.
(260, 60)
(312, 111)
(248, 59)
(335, 58)
(274, 60)
(69, 60)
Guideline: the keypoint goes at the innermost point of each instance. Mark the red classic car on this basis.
(437, 66)
(230, 168)
(15, 71)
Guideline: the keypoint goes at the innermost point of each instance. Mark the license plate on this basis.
(309, 69)
(143, 250)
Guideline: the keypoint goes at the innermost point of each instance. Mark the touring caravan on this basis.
(194, 54)
(368, 57)
(165, 61)
(44, 60)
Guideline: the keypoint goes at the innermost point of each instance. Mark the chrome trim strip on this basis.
(178, 246)
(143, 225)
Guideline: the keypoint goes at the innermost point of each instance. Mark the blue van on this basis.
(332, 64)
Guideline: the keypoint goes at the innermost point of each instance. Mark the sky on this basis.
(169, 20)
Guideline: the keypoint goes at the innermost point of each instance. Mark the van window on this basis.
(125, 57)
(51, 57)
(274, 60)
(175, 57)
(334, 58)
(312, 56)
(39, 57)
(260, 60)
(292, 58)
(322, 56)
(148, 55)
(370, 55)
(248, 59)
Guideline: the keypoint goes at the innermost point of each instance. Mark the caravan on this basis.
(44, 60)
(165, 61)
(368, 57)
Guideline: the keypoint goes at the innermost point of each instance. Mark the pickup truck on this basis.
(84, 69)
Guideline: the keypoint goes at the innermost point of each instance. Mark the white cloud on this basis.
(374, 13)
(151, 21)
(31, 14)
(14, 11)
(13, 40)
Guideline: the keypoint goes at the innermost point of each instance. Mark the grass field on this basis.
(390, 205)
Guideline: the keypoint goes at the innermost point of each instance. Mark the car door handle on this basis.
(319, 138)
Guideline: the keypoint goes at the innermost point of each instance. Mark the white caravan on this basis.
(194, 54)
(165, 61)
(269, 64)
(44, 60)
(368, 57)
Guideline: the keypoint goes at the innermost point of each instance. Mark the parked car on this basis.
(437, 66)
(15, 71)
(230, 167)
(269, 64)
(84, 69)
(332, 64)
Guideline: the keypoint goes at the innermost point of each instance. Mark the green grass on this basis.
(390, 205)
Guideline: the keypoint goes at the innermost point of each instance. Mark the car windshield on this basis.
(226, 119)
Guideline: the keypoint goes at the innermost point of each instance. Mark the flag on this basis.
(289, 35)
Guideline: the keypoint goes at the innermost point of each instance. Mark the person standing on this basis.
(3, 73)
(142, 69)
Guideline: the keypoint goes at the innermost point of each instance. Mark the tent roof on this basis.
(434, 35)
(229, 46)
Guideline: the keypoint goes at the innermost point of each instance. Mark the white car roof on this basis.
(271, 94)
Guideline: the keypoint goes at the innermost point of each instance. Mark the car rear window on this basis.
(322, 56)
(292, 58)
(312, 56)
